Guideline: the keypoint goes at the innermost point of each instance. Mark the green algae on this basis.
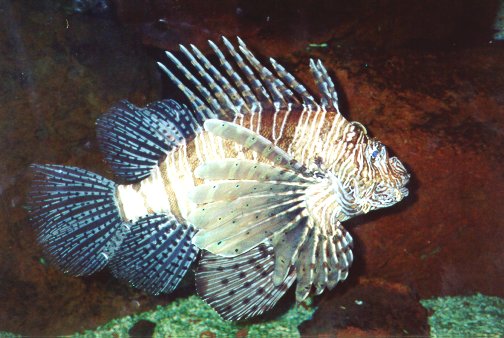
(192, 317)
(476, 315)
(4, 334)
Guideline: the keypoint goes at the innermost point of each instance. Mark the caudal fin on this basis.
(77, 217)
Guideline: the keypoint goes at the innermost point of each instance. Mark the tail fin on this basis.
(77, 217)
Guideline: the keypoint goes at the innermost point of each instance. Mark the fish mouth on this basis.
(399, 171)
(400, 194)
(404, 192)
(406, 180)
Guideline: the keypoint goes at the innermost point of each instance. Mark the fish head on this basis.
(383, 180)
(369, 179)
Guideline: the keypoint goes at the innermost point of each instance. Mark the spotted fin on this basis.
(234, 169)
(134, 139)
(323, 259)
(250, 203)
(305, 264)
(287, 245)
(241, 287)
(230, 228)
(76, 215)
(156, 254)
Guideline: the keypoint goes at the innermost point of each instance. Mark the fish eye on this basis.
(374, 154)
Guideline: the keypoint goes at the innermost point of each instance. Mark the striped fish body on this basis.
(297, 130)
(258, 175)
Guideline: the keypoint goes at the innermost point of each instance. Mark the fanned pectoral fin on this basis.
(241, 287)
(287, 244)
(246, 206)
(245, 230)
(253, 141)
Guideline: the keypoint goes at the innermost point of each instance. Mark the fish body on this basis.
(258, 175)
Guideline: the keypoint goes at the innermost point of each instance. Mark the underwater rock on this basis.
(142, 328)
(371, 308)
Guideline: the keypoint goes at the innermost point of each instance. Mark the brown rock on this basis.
(372, 308)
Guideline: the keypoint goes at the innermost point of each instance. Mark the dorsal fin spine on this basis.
(265, 75)
(243, 88)
(257, 86)
(202, 89)
(234, 96)
(200, 108)
(292, 82)
(218, 93)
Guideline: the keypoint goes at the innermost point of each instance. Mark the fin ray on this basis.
(156, 254)
(80, 227)
(287, 244)
(253, 141)
(133, 139)
(257, 87)
(305, 264)
(242, 87)
(242, 169)
(241, 287)
(340, 254)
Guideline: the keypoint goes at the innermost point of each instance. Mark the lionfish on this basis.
(257, 174)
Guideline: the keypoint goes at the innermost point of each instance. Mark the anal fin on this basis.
(156, 254)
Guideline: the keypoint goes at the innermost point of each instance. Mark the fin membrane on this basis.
(252, 141)
(77, 218)
(339, 254)
(135, 139)
(241, 287)
(156, 254)
(323, 259)
(257, 201)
